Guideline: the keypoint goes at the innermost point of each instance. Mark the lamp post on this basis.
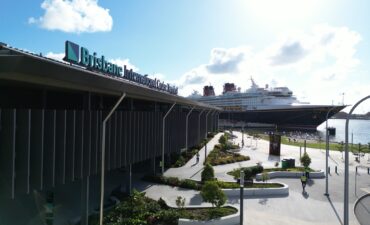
(205, 136)
(102, 181)
(346, 165)
(243, 136)
(241, 195)
(187, 127)
(163, 133)
(327, 155)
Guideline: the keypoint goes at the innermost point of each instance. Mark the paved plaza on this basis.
(312, 207)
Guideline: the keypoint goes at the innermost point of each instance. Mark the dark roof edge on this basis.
(137, 90)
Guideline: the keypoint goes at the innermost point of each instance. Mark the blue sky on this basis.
(319, 49)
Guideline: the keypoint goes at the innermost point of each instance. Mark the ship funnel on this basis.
(208, 91)
(229, 87)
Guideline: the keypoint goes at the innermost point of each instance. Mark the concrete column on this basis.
(85, 182)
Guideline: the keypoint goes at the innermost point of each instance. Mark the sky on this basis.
(318, 49)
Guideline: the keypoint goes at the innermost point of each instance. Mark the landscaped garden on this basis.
(251, 172)
(138, 209)
(223, 153)
(178, 160)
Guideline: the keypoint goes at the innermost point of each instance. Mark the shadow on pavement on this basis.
(335, 211)
(196, 172)
(273, 158)
(305, 194)
(263, 201)
(196, 200)
(310, 182)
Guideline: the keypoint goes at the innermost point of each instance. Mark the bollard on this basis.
(356, 169)
(329, 170)
(336, 169)
(368, 170)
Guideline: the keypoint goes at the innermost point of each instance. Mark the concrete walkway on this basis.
(312, 207)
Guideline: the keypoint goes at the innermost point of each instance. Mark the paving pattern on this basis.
(312, 207)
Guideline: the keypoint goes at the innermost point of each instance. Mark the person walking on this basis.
(304, 182)
(307, 173)
(197, 157)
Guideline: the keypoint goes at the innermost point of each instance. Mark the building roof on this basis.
(19, 65)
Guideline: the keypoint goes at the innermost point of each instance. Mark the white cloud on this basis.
(317, 64)
(123, 62)
(56, 56)
(74, 16)
(226, 60)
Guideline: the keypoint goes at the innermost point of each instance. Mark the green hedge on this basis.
(249, 172)
(173, 181)
(195, 185)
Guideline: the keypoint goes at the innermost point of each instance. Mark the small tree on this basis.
(306, 160)
(222, 140)
(208, 173)
(180, 202)
(213, 194)
(265, 176)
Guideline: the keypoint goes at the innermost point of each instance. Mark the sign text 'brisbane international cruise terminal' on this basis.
(92, 62)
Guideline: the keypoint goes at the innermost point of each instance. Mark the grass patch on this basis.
(318, 144)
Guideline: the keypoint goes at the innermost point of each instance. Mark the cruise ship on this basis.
(276, 107)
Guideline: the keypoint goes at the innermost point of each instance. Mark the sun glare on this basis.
(275, 11)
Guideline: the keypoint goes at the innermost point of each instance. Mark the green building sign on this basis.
(81, 56)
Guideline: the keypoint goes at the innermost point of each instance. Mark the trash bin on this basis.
(291, 163)
(284, 164)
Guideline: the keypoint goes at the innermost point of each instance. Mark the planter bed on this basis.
(197, 185)
(277, 191)
(291, 174)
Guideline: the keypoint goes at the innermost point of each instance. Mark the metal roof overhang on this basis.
(20, 66)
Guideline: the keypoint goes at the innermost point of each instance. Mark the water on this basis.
(359, 128)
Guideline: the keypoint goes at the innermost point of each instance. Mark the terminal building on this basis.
(51, 129)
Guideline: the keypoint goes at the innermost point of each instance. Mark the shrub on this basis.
(256, 169)
(306, 160)
(189, 184)
(222, 140)
(213, 194)
(168, 217)
(248, 173)
(208, 173)
(265, 176)
(173, 181)
(162, 203)
(180, 202)
(180, 161)
(155, 179)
